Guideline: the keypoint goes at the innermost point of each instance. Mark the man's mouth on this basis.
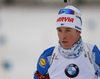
(64, 42)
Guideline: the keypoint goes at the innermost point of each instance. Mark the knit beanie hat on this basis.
(70, 16)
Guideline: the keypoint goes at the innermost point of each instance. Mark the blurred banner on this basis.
(50, 1)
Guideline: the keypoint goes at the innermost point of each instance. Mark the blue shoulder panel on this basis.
(97, 55)
(43, 63)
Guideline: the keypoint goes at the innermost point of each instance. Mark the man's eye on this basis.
(59, 30)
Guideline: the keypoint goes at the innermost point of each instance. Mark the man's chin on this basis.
(66, 47)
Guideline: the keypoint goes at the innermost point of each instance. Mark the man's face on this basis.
(68, 36)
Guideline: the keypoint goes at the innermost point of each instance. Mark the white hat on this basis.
(69, 20)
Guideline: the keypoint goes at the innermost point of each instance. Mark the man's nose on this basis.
(64, 35)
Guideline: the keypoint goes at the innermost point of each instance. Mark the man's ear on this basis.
(78, 32)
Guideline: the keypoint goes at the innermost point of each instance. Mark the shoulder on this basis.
(93, 47)
(43, 61)
(90, 46)
(95, 50)
(48, 51)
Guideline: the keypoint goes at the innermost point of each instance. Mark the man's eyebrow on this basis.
(68, 28)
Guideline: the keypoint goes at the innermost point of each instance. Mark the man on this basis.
(71, 58)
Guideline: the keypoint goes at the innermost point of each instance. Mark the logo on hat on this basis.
(72, 70)
(62, 24)
(77, 28)
(64, 19)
